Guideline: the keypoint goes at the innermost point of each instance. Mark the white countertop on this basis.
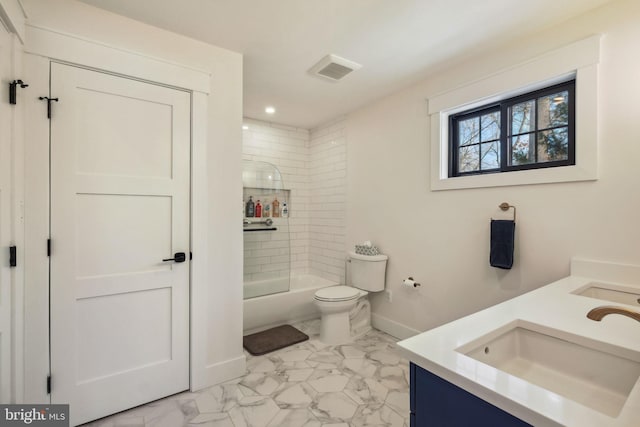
(551, 306)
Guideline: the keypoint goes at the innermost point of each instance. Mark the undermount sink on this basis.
(592, 373)
(613, 293)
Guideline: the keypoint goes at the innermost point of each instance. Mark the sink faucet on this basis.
(599, 312)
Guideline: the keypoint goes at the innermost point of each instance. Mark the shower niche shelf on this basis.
(266, 196)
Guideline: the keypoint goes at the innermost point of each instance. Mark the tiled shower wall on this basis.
(285, 147)
(313, 167)
(327, 187)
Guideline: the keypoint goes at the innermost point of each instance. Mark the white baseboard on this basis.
(221, 372)
(391, 327)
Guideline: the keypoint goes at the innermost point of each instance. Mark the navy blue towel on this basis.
(503, 234)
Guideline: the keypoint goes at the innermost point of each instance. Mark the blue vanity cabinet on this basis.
(435, 402)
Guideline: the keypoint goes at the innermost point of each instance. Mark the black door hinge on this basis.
(49, 384)
(12, 90)
(12, 256)
(48, 247)
(49, 101)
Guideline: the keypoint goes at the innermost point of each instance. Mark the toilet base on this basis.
(360, 318)
(335, 328)
(339, 327)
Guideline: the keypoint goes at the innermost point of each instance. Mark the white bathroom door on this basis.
(120, 152)
(5, 214)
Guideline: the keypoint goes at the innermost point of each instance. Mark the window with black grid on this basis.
(530, 131)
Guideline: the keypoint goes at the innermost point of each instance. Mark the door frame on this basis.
(8, 224)
(12, 21)
(43, 47)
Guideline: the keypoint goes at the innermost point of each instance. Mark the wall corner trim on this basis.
(13, 16)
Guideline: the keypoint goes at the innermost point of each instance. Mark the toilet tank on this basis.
(368, 271)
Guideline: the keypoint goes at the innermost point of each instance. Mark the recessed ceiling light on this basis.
(270, 110)
(245, 127)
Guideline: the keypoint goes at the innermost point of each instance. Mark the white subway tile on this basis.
(313, 166)
(279, 259)
(274, 266)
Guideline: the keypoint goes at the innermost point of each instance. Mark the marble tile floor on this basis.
(364, 383)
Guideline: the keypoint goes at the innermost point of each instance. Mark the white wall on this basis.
(216, 330)
(442, 238)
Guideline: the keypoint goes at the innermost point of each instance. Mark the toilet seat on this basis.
(337, 293)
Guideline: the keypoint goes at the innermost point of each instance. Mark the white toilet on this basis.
(335, 302)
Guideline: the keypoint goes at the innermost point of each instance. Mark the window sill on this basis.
(524, 177)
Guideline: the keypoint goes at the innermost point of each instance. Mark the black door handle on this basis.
(177, 257)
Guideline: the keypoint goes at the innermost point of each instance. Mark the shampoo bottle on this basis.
(275, 212)
(285, 210)
(258, 209)
(249, 210)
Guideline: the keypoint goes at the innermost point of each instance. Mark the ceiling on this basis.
(398, 42)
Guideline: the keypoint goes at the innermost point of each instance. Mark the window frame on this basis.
(503, 106)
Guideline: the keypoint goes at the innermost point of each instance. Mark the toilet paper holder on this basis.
(409, 281)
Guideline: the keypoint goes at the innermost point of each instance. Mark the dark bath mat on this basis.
(273, 339)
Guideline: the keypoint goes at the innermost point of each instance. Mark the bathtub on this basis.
(284, 307)
(258, 288)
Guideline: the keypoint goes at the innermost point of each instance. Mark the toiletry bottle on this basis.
(250, 208)
(267, 210)
(276, 208)
(258, 209)
(285, 210)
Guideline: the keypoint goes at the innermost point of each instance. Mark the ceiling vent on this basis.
(334, 68)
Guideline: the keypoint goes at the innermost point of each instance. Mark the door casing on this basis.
(33, 377)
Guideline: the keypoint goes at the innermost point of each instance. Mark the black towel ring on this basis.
(506, 206)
